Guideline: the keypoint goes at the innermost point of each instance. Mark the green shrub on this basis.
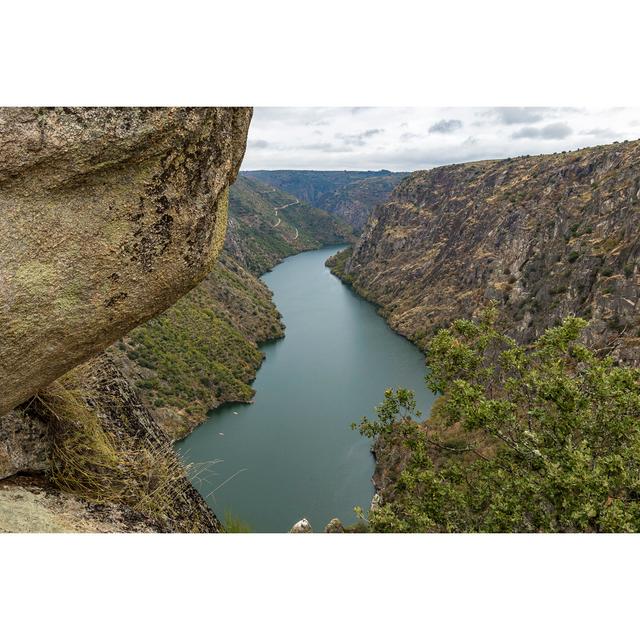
(233, 524)
(551, 437)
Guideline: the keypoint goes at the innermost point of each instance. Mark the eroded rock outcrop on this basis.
(334, 526)
(107, 217)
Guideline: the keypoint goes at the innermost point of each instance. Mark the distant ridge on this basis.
(349, 194)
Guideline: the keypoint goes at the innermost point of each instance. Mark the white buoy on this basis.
(220, 433)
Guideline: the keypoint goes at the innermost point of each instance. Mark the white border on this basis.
(291, 53)
(334, 53)
(311, 586)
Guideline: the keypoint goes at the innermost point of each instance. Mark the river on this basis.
(291, 453)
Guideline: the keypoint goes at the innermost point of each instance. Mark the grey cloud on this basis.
(417, 158)
(599, 132)
(349, 141)
(517, 115)
(358, 139)
(524, 115)
(555, 131)
(445, 126)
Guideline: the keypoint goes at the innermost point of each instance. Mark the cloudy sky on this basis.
(404, 139)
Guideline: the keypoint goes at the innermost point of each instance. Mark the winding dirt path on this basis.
(279, 220)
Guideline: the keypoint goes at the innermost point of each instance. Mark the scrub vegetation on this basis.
(537, 438)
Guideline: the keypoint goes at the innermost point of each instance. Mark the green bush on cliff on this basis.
(544, 437)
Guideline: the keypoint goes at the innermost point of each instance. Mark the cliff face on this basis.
(544, 236)
(355, 201)
(107, 217)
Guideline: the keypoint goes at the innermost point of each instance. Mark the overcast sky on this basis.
(405, 139)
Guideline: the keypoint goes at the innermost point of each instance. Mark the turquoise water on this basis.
(291, 454)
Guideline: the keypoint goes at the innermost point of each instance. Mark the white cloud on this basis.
(399, 139)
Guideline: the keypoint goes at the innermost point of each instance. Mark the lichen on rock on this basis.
(107, 217)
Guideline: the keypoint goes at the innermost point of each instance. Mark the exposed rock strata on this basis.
(107, 217)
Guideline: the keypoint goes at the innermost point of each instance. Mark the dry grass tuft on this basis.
(105, 466)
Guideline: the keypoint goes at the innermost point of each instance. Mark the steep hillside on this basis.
(545, 236)
(267, 225)
(349, 194)
(355, 201)
(203, 351)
